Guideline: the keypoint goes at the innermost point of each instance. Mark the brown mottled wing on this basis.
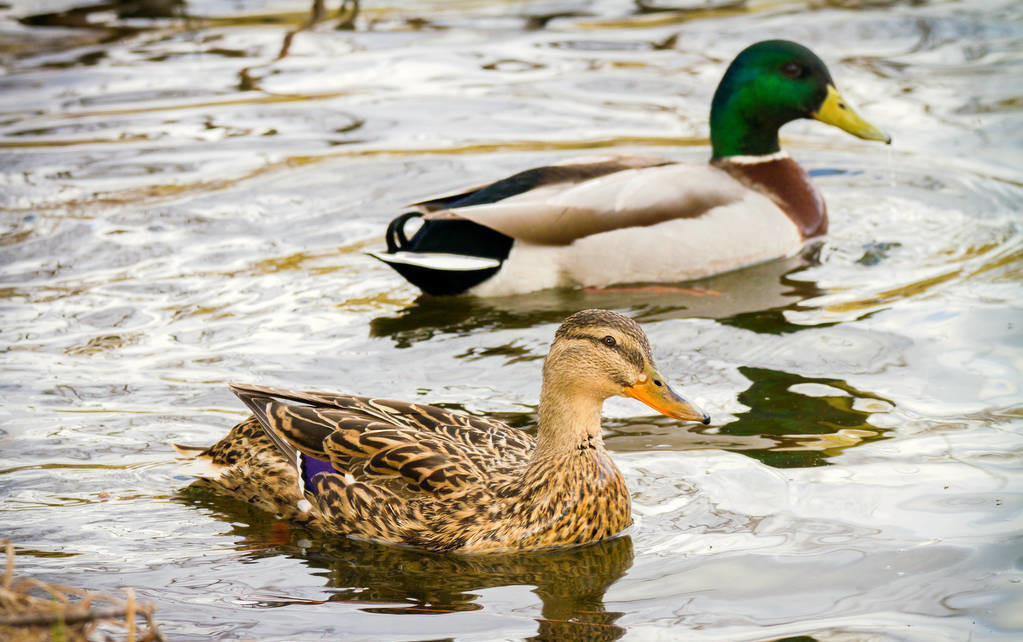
(560, 213)
(480, 435)
(483, 439)
(430, 465)
(292, 428)
(429, 448)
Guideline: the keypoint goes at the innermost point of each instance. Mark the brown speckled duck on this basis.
(415, 474)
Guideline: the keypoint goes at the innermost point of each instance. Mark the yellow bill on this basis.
(835, 111)
(654, 391)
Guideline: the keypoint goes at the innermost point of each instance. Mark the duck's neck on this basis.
(739, 126)
(568, 423)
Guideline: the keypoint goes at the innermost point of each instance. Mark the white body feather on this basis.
(748, 231)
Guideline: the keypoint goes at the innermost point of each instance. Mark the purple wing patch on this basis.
(309, 467)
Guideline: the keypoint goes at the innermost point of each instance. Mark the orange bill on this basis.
(654, 391)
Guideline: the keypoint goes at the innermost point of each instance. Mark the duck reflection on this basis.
(754, 296)
(571, 582)
(88, 15)
(809, 418)
(793, 421)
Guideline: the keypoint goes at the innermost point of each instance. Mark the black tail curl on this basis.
(395, 235)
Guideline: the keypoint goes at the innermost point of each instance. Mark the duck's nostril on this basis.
(657, 382)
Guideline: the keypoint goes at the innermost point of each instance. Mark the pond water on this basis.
(181, 208)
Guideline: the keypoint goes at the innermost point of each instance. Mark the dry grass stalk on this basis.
(31, 610)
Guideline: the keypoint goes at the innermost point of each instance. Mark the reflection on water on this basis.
(394, 580)
(164, 230)
(791, 422)
(811, 419)
(754, 298)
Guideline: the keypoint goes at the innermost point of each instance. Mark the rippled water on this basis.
(181, 209)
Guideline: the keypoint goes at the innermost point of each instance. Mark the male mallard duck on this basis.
(620, 219)
(409, 473)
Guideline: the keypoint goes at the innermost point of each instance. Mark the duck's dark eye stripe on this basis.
(584, 337)
(587, 337)
(634, 357)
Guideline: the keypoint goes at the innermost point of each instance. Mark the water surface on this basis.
(181, 208)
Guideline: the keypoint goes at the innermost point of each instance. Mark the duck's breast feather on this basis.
(560, 214)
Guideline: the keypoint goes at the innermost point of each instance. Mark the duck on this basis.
(602, 220)
(413, 474)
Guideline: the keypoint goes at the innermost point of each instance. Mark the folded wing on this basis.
(429, 449)
(559, 213)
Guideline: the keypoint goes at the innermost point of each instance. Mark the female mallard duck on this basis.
(414, 474)
(620, 219)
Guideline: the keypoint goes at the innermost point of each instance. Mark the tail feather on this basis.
(198, 464)
(188, 452)
(440, 274)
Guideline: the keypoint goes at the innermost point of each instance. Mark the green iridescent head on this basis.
(772, 83)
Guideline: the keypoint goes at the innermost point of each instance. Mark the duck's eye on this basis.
(791, 70)
(609, 341)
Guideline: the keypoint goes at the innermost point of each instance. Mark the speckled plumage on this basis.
(424, 476)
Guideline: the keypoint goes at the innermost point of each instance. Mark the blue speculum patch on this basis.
(311, 467)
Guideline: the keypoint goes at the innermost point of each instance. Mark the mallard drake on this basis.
(628, 219)
(409, 473)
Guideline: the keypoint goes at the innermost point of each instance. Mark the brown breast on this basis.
(786, 183)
